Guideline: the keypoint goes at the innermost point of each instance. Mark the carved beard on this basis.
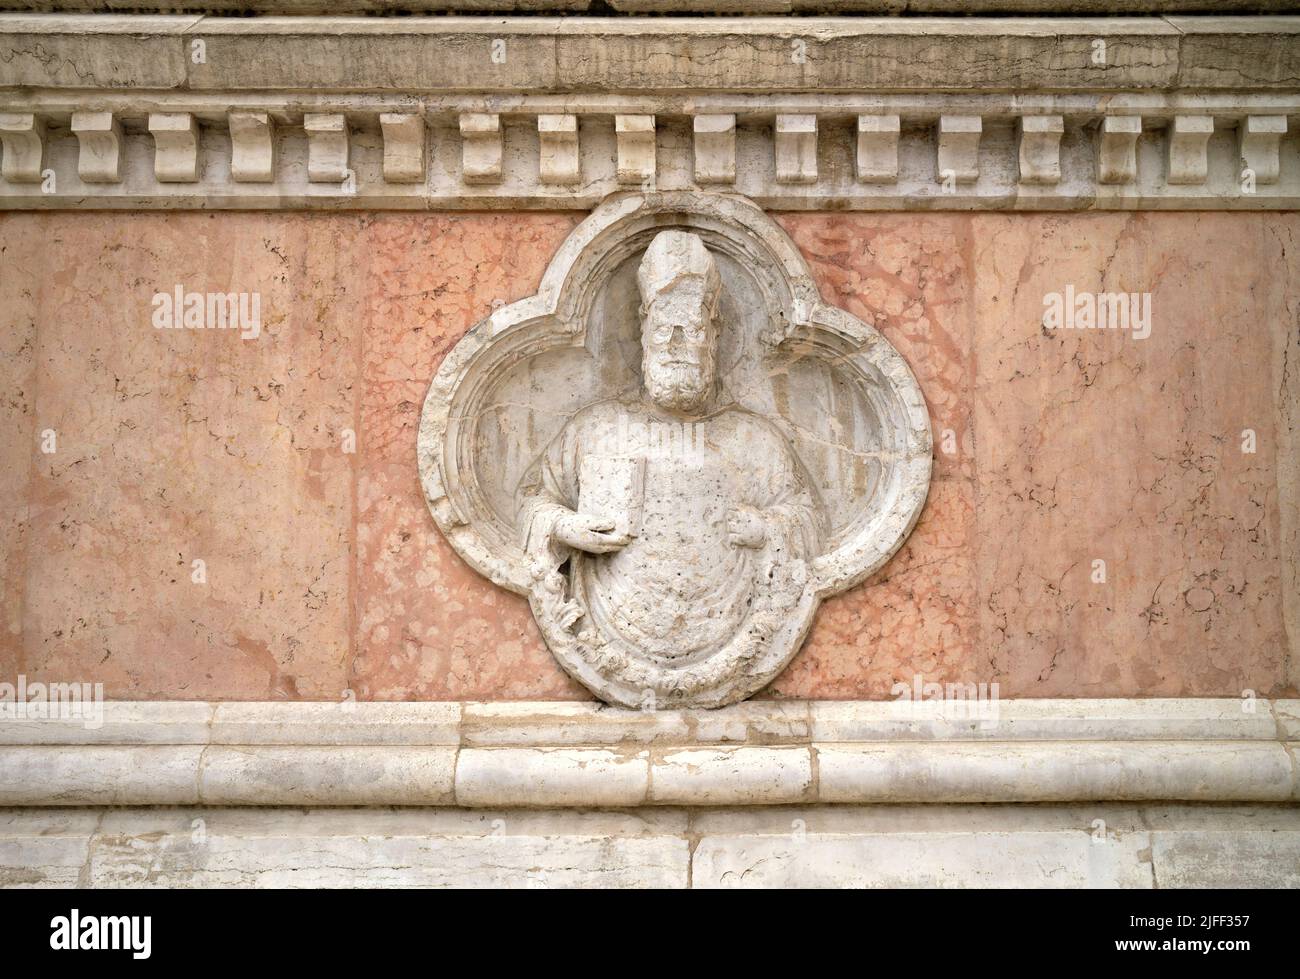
(684, 387)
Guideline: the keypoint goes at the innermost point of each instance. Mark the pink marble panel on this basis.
(184, 445)
(325, 573)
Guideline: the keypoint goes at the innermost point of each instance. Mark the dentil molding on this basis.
(792, 151)
(194, 111)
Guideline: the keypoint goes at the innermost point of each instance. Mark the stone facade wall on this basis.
(287, 549)
(326, 574)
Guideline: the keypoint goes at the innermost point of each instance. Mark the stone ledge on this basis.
(762, 753)
(1118, 150)
(549, 724)
(585, 778)
(963, 8)
(667, 54)
(782, 846)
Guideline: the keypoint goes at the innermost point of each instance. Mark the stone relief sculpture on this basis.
(685, 520)
(627, 448)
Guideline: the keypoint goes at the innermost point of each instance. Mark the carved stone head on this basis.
(680, 291)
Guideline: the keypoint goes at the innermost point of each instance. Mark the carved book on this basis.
(613, 487)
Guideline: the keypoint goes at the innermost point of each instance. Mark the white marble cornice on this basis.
(1121, 150)
(517, 55)
(529, 755)
(795, 113)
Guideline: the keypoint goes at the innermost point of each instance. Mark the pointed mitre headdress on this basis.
(675, 256)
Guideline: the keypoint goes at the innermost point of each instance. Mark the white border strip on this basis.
(537, 755)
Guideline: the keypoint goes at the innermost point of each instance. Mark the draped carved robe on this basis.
(679, 591)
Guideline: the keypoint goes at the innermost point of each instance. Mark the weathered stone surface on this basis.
(916, 617)
(876, 156)
(635, 135)
(1188, 162)
(234, 847)
(137, 52)
(1222, 52)
(1105, 517)
(506, 724)
(731, 776)
(329, 146)
(46, 847)
(538, 777)
(337, 775)
(168, 722)
(715, 148)
(1228, 848)
(18, 434)
(81, 775)
(559, 161)
(795, 139)
(958, 149)
(1040, 149)
(454, 53)
(797, 846)
(1050, 720)
(101, 139)
(909, 846)
(176, 147)
(403, 146)
(1055, 772)
(348, 723)
(252, 147)
(765, 723)
(23, 138)
(1287, 713)
(755, 722)
(583, 756)
(1117, 150)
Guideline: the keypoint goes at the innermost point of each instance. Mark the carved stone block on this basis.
(557, 138)
(176, 147)
(1117, 149)
(99, 155)
(1040, 149)
(403, 147)
(327, 147)
(1260, 139)
(635, 138)
(1188, 136)
(23, 137)
(796, 149)
(252, 147)
(876, 159)
(715, 149)
(480, 151)
(958, 153)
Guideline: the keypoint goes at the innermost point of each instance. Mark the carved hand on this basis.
(587, 533)
(746, 527)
